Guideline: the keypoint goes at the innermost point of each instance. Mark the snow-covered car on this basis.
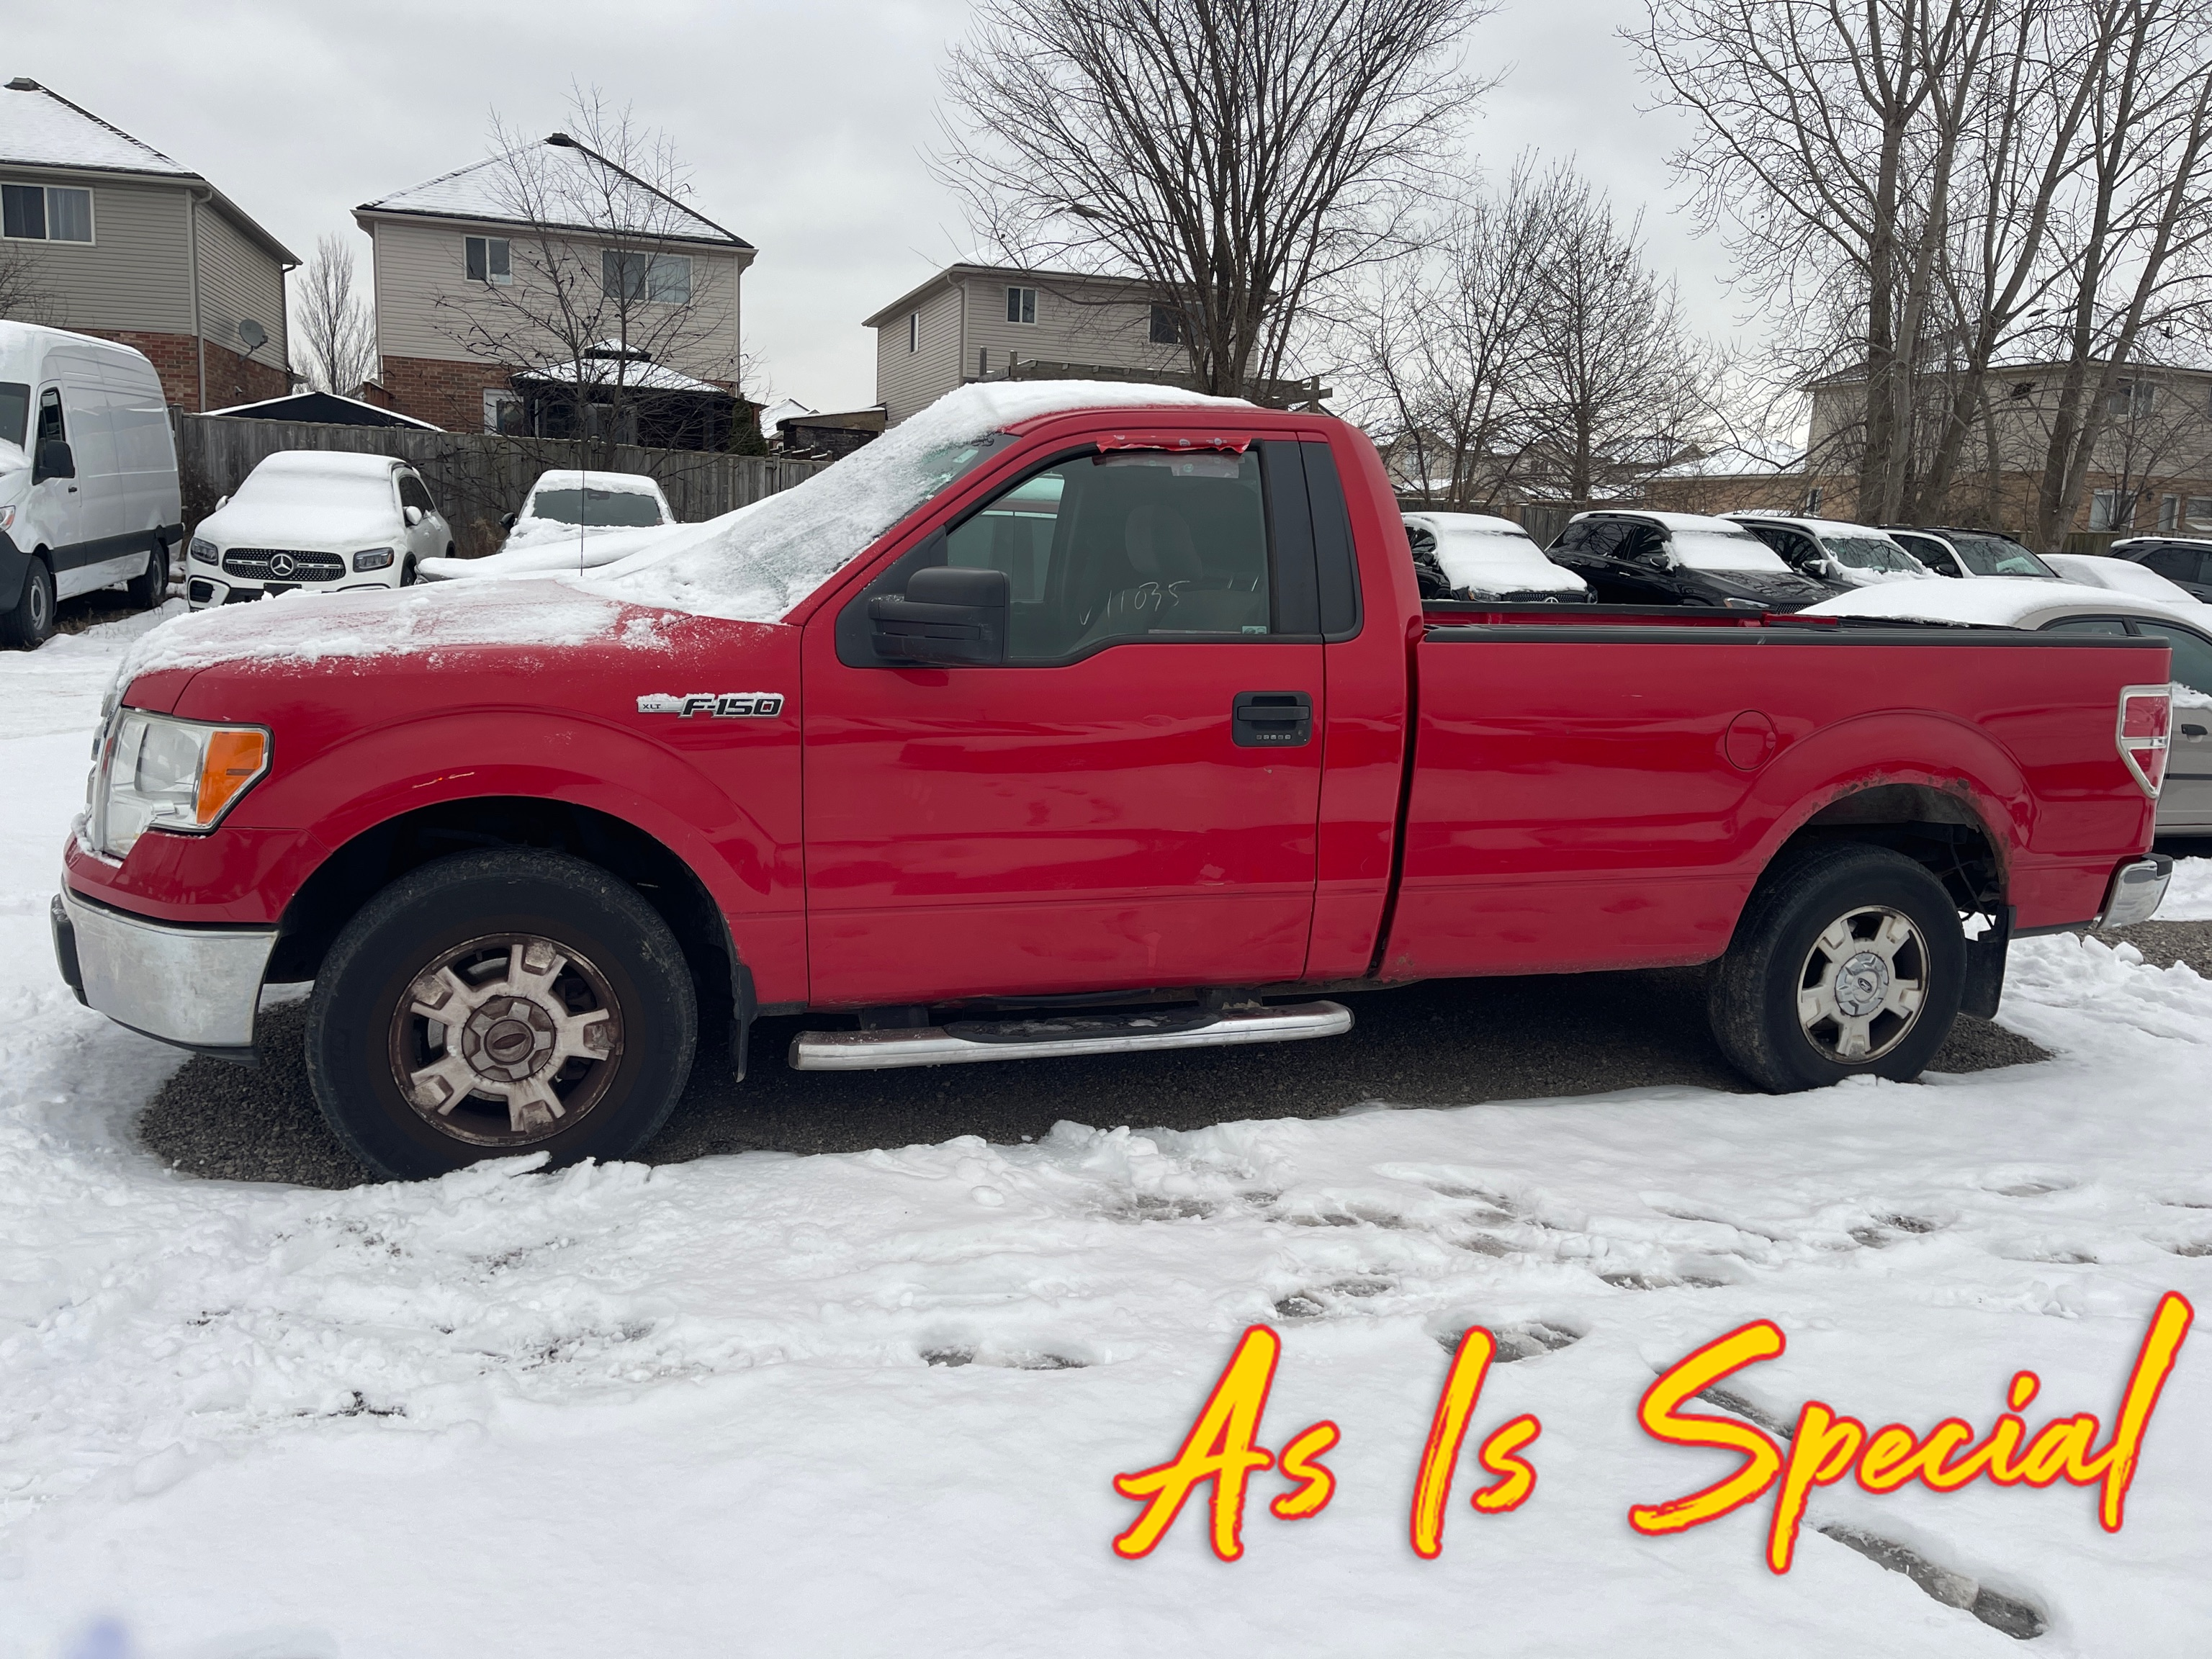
(572, 520)
(318, 521)
(1947, 550)
(2121, 575)
(1473, 555)
(1680, 558)
(2184, 804)
(2184, 561)
(1831, 551)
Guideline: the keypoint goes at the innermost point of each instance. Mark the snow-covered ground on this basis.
(693, 1410)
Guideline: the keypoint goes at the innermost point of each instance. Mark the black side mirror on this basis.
(948, 615)
(55, 461)
(507, 521)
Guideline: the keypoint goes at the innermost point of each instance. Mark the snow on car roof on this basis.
(755, 567)
(1818, 526)
(632, 483)
(1472, 524)
(333, 463)
(1717, 526)
(2125, 575)
(1993, 602)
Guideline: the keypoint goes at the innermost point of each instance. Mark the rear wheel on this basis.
(151, 585)
(498, 1003)
(1849, 961)
(31, 623)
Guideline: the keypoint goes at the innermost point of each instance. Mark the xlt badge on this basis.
(723, 705)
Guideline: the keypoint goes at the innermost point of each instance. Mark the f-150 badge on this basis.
(723, 705)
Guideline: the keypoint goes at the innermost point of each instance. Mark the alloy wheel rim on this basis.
(506, 1041)
(1862, 984)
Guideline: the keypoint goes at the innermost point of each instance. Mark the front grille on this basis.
(261, 563)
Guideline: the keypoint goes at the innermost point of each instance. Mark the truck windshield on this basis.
(15, 412)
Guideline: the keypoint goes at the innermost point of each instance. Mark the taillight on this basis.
(2146, 716)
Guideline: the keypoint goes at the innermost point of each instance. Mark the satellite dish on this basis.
(253, 334)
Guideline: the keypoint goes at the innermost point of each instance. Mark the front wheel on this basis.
(1848, 961)
(495, 1003)
(30, 625)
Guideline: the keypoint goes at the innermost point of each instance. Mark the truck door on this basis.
(1129, 801)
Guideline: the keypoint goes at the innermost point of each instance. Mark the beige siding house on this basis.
(467, 266)
(973, 322)
(108, 236)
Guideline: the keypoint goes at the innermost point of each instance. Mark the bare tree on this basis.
(1616, 384)
(1438, 345)
(333, 329)
(1233, 155)
(599, 303)
(25, 294)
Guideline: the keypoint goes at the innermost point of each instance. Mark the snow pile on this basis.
(1480, 554)
(555, 549)
(308, 627)
(756, 564)
(1984, 601)
(2189, 895)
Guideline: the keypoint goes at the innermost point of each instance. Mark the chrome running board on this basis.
(965, 1042)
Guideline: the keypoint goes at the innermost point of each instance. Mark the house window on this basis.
(503, 413)
(1021, 305)
(45, 213)
(657, 278)
(1812, 502)
(914, 331)
(2021, 389)
(487, 260)
(1167, 326)
(2131, 397)
(2200, 512)
(2112, 509)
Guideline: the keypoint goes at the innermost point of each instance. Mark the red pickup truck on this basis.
(1104, 728)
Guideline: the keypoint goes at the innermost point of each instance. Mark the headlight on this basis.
(205, 552)
(1734, 604)
(157, 773)
(376, 558)
(7, 518)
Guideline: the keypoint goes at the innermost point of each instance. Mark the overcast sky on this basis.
(805, 125)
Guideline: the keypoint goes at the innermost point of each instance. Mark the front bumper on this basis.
(195, 986)
(2137, 888)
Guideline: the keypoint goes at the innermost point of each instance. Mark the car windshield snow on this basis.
(592, 507)
(1722, 550)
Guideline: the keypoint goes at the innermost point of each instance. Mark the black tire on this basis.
(151, 585)
(30, 625)
(1766, 1002)
(475, 910)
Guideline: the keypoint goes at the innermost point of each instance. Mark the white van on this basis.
(87, 475)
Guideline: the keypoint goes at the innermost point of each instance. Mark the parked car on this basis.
(1681, 558)
(1073, 719)
(1953, 552)
(2071, 610)
(1474, 555)
(87, 477)
(1829, 551)
(2094, 570)
(318, 521)
(571, 521)
(2182, 561)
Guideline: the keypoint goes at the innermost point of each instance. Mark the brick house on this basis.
(103, 234)
(456, 260)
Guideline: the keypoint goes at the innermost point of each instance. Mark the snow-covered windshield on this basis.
(315, 486)
(1725, 550)
(592, 505)
(1873, 553)
(1996, 556)
(15, 413)
(754, 565)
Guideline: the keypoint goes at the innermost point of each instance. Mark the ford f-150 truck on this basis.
(1060, 720)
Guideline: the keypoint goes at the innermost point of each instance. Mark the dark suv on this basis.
(1681, 558)
(2182, 561)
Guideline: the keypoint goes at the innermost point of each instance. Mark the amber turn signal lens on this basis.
(234, 759)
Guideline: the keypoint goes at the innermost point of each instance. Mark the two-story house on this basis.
(103, 234)
(975, 322)
(545, 267)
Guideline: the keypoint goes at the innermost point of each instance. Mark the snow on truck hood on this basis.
(754, 564)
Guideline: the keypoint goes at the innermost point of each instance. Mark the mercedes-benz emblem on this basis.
(280, 564)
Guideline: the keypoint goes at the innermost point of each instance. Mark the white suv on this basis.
(318, 520)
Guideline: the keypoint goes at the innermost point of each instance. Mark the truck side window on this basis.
(1103, 549)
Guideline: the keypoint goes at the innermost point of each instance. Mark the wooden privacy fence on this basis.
(475, 476)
